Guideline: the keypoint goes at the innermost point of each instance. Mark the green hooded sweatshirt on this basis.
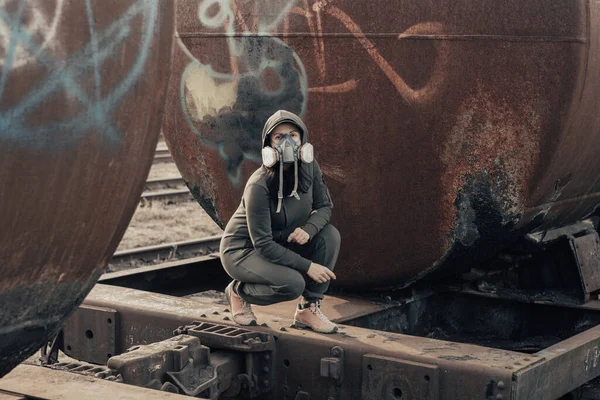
(257, 225)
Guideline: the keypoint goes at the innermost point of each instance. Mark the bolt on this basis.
(226, 310)
(203, 315)
(225, 318)
(499, 396)
(267, 357)
(215, 313)
(527, 359)
(266, 369)
(266, 382)
(501, 385)
(282, 329)
(336, 351)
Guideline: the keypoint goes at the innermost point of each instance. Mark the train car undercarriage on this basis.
(167, 327)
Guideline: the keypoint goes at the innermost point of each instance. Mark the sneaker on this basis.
(312, 317)
(241, 310)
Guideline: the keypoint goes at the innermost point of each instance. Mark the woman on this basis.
(279, 244)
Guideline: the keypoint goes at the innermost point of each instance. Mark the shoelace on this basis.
(317, 311)
(246, 308)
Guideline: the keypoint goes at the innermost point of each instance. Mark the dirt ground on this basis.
(161, 222)
(165, 223)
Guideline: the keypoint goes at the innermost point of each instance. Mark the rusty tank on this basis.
(82, 91)
(445, 129)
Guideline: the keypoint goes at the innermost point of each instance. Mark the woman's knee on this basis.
(292, 289)
(330, 235)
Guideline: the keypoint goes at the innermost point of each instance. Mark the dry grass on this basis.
(164, 223)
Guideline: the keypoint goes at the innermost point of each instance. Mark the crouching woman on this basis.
(279, 244)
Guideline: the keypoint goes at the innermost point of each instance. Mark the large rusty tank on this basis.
(82, 91)
(445, 129)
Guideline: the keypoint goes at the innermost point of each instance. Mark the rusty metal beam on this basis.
(563, 367)
(44, 383)
(463, 370)
(178, 278)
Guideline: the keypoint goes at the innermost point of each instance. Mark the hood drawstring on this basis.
(295, 191)
(280, 191)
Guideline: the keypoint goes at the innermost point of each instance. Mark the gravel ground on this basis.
(160, 222)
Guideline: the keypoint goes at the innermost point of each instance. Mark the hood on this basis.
(280, 117)
(303, 169)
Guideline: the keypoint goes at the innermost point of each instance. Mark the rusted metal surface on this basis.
(463, 370)
(180, 278)
(398, 378)
(43, 383)
(82, 90)
(90, 334)
(564, 367)
(587, 255)
(180, 364)
(444, 130)
(11, 396)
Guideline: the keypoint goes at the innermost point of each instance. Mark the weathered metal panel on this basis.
(444, 129)
(89, 334)
(564, 367)
(82, 90)
(587, 254)
(44, 383)
(390, 378)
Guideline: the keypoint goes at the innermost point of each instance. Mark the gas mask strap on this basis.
(295, 191)
(280, 191)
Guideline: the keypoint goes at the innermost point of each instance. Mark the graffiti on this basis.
(28, 41)
(591, 358)
(38, 24)
(423, 95)
(226, 109)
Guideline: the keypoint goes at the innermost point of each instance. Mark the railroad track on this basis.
(161, 253)
(153, 185)
(174, 195)
(160, 157)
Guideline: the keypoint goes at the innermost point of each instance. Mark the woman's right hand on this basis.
(319, 273)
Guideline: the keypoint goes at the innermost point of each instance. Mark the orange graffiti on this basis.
(313, 16)
(347, 86)
(423, 95)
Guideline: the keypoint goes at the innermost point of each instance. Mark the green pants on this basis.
(262, 282)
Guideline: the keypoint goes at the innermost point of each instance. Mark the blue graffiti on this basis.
(17, 123)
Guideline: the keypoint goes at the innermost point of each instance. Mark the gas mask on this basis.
(287, 151)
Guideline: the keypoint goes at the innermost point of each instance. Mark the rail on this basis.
(166, 252)
(173, 195)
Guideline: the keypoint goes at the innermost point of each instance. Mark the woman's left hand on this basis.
(299, 236)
